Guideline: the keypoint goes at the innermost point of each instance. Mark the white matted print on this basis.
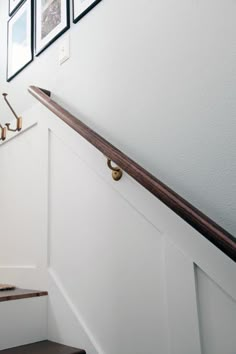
(20, 40)
(13, 5)
(52, 20)
(82, 7)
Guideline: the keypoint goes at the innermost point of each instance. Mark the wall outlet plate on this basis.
(64, 50)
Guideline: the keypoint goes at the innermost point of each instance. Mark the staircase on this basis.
(121, 265)
(43, 347)
(19, 294)
(23, 324)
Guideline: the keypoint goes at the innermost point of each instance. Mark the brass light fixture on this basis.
(3, 134)
(18, 119)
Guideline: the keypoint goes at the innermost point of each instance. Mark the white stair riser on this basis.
(23, 321)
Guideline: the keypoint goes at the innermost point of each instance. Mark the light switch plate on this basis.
(64, 50)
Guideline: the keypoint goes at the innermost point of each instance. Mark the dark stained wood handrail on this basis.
(194, 217)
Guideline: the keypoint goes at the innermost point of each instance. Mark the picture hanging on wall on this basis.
(82, 7)
(13, 5)
(20, 40)
(52, 20)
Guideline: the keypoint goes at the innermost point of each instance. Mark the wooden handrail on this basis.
(194, 217)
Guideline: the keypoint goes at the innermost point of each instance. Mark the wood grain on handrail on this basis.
(194, 217)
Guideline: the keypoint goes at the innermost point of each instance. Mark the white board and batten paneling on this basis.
(124, 273)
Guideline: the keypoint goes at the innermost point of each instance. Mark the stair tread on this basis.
(17, 293)
(44, 347)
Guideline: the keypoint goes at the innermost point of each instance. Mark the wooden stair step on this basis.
(17, 294)
(44, 347)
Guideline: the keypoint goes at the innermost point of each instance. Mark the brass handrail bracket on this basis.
(18, 119)
(116, 171)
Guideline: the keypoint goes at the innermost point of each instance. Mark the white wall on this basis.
(158, 80)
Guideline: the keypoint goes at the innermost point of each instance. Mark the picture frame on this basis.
(20, 40)
(82, 7)
(13, 5)
(52, 19)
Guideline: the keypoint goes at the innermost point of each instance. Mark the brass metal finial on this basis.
(116, 171)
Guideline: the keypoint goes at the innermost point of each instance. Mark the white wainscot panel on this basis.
(197, 248)
(217, 317)
(107, 256)
(19, 203)
(182, 302)
(65, 324)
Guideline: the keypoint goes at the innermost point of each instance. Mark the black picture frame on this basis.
(11, 9)
(12, 51)
(89, 7)
(41, 48)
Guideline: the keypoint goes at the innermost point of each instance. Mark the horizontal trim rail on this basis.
(194, 217)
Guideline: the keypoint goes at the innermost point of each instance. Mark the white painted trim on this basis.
(43, 141)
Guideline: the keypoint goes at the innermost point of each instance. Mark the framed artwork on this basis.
(13, 5)
(20, 39)
(52, 19)
(82, 7)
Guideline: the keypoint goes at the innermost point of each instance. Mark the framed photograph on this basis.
(52, 19)
(82, 7)
(13, 5)
(20, 40)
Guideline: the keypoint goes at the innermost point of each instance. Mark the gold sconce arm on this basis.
(3, 132)
(18, 119)
(18, 125)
